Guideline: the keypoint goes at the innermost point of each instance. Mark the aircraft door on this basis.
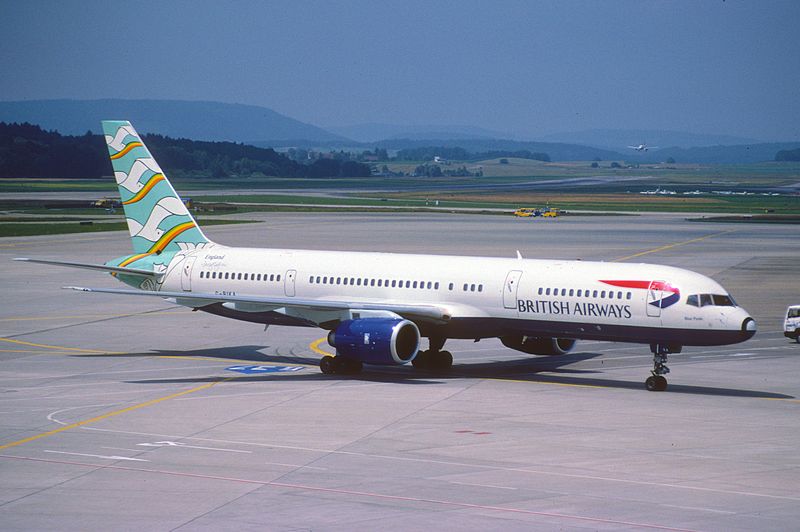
(510, 288)
(655, 296)
(186, 274)
(288, 283)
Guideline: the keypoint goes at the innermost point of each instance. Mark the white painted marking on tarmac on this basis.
(470, 465)
(101, 456)
(187, 446)
(482, 485)
(51, 415)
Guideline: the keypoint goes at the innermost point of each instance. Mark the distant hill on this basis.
(211, 121)
(28, 151)
(620, 139)
(373, 132)
(556, 151)
(738, 154)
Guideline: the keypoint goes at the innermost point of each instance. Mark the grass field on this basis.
(8, 229)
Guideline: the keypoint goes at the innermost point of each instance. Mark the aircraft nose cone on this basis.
(749, 327)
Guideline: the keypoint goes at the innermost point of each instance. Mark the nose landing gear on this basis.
(657, 382)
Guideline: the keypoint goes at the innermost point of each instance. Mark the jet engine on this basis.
(382, 341)
(538, 346)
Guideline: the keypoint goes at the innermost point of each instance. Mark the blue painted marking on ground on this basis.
(249, 370)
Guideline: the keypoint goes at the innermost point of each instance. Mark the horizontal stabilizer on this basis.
(96, 267)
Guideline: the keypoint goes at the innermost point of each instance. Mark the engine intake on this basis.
(538, 346)
(382, 341)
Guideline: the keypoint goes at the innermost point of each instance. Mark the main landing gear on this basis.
(657, 382)
(339, 365)
(434, 358)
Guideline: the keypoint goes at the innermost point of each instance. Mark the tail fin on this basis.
(157, 218)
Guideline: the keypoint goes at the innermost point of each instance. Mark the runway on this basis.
(118, 413)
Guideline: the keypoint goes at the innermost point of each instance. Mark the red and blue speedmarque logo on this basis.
(662, 294)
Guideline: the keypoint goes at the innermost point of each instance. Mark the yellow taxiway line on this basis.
(674, 245)
(111, 414)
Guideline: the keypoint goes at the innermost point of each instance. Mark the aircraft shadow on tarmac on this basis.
(520, 370)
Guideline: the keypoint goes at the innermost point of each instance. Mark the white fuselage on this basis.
(484, 297)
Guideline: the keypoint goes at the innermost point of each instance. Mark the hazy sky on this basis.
(526, 68)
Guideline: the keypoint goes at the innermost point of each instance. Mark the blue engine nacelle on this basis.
(383, 341)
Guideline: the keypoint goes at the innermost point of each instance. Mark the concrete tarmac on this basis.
(124, 413)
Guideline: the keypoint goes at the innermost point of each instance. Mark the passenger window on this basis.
(563, 291)
(594, 294)
(278, 277)
(541, 290)
(630, 295)
(338, 280)
(226, 275)
(472, 288)
(547, 292)
(571, 292)
(393, 283)
(415, 284)
(480, 288)
(430, 285)
(450, 286)
(466, 286)
(579, 292)
(311, 280)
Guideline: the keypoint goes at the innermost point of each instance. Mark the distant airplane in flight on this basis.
(642, 147)
(377, 307)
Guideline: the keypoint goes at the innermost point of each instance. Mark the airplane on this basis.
(377, 307)
(642, 147)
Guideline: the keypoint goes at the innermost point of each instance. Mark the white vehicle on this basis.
(791, 325)
(378, 306)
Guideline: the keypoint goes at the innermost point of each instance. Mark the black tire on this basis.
(327, 365)
(661, 383)
(650, 384)
(421, 360)
(443, 361)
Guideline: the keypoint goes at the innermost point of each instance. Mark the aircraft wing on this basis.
(96, 267)
(264, 304)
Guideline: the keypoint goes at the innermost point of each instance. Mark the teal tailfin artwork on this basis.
(157, 219)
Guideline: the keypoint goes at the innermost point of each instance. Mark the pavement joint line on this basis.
(112, 414)
(673, 245)
(357, 493)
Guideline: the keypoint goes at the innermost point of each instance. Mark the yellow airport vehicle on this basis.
(550, 213)
(527, 213)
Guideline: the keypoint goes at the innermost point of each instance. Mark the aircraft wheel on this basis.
(443, 361)
(327, 365)
(797, 338)
(656, 383)
(421, 360)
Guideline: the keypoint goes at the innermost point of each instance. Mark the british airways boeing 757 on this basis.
(377, 307)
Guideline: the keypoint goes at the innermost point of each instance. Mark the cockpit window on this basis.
(723, 301)
(705, 300)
